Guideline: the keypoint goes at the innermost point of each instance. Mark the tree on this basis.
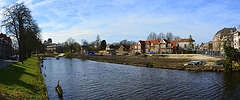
(98, 41)
(19, 22)
(103, 45)
(161, 36)
(71, 45)
(169, 36)
(177, 38)
(230, 53)
(152, 36)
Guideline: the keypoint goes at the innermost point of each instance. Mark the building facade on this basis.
(236, 39)
(59, 48)
(187, 45)
(5, 46)
(206, 46)
(222, 35)
(156, 46)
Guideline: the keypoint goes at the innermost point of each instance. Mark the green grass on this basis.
(49, 54)
(23, 81)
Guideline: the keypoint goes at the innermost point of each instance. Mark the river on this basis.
(84, 79)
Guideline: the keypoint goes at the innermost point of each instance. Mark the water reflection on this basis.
(83, 79)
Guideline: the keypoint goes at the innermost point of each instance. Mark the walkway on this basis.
(4, 63)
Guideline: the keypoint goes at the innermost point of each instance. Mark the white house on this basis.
(236, 41)
(184, 44)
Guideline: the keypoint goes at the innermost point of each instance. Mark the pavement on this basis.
(4, 63)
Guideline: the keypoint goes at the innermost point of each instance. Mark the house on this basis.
(206, 46)
(59, 48)
(236, 39)
(187, 45)
(138, 47)
(5, 46)
(124, 48)
(157, 46)
(84, 47)
(221, 36)
(111, 49)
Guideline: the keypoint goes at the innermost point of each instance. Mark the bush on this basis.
(68, 54)
(137, 53)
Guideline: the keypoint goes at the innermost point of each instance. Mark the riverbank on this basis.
(172, 61)
(22, 81)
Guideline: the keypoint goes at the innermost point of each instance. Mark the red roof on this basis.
(107, 46)
(174, 43)
(185, 40)
(152, 41)
(201, 45)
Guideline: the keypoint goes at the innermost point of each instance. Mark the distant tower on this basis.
(49, 40)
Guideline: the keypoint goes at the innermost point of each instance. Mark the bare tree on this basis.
(177, 38)
(161, 36)
(127, 43)
(169, 36)
(71, 45)
(98, 41)
(152, 36)
(18, 21)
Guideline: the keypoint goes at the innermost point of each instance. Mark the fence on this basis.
(210, 53)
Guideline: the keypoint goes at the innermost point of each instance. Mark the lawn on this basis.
(22, 81)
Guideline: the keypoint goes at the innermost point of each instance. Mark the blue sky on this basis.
(115, 20)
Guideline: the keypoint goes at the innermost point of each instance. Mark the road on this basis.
(4, 63)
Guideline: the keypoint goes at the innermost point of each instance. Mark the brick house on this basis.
(221, 36)
(5, 46)
(157, 46)
(206, 46)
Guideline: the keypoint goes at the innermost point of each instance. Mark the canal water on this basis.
(84, 79)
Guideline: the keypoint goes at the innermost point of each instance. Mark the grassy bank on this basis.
(154, 61)
(49, 54)
(22, 81)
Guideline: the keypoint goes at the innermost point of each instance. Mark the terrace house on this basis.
(157, 46)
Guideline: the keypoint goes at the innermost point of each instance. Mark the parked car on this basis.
(151, 52)
(196, 63)
(14, 57)
(220, 62)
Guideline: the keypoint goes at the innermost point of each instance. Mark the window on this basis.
(151, 44)
(185, 45)
(163, 46)
(156, 50)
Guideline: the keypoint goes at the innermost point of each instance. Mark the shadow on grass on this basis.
(19, 75)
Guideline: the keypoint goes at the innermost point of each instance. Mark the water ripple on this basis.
(96, 80)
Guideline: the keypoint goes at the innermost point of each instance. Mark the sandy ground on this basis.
(211, 61)
(192, 57)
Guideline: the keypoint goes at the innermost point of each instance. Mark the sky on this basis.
(134, 20)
